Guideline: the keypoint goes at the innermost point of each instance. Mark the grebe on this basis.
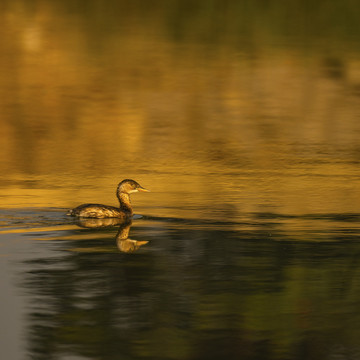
(123, 191)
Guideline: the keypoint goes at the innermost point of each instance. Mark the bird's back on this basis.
(97, 211)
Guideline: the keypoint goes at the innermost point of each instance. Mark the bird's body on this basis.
(99, 211)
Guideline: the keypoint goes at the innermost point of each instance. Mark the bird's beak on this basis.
(140, 188)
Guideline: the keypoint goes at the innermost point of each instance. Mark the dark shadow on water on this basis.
(197, 291)
(330, 217)
(265, 285)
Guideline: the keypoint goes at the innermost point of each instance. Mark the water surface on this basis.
(242, 118)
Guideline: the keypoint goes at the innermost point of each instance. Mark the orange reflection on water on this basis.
(209, 127)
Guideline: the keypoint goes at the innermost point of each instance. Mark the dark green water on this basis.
(242, 118)
(197, 290)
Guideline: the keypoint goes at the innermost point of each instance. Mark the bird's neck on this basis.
(124, 230)
(125, 204)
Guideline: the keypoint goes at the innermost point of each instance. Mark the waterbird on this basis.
(99, 211)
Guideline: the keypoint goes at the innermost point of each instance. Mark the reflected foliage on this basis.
(198, 294)
(193, 95)
(216, 20)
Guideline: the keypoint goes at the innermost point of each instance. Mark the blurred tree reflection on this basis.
(240, 296)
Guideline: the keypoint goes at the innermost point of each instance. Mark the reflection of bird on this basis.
(123, 242)
(124, 189)
(129, 245)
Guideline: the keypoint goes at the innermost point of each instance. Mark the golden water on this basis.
(243, 121)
